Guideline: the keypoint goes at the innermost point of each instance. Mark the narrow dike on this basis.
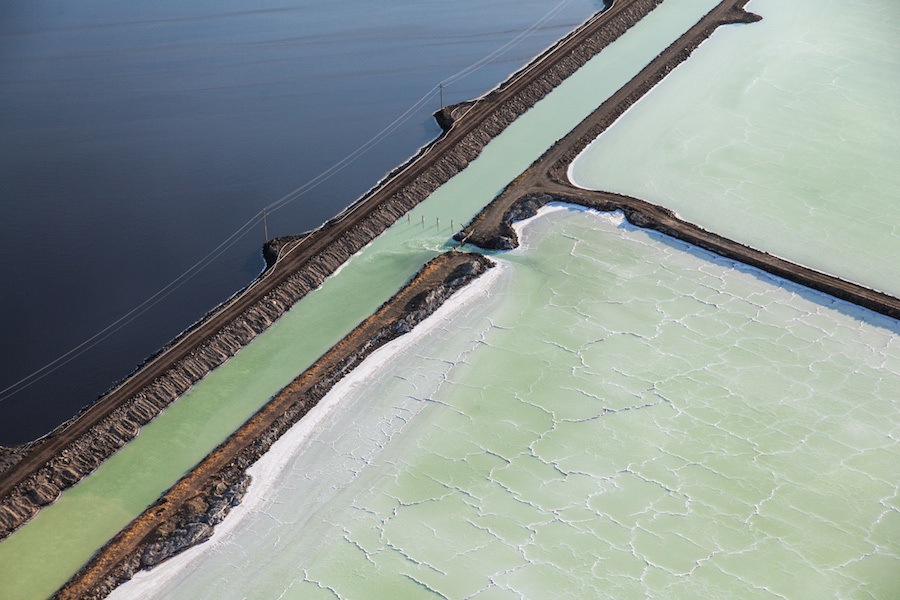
(187, 512)
(547, 181)
(40, 471)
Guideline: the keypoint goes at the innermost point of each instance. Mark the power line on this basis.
(507, 46)
(204, 262)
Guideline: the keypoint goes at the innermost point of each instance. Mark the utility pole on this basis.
(442, 94)
(265, 225)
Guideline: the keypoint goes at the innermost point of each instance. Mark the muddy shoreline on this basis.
(36, 474)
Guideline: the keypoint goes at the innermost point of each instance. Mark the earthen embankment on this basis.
(76, 448)
(547, 180)
(186, 513)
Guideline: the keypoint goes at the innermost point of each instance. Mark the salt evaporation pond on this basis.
(613, 414)
(44, 553)
(782, 135)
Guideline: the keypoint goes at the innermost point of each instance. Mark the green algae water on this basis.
(43, 554)
(782, 135)
(610, 414)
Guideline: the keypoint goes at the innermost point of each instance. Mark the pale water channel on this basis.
(43, 554)
(610, 414)
(782, 135)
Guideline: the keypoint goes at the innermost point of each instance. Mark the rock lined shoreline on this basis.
(38, 473)
(179, 520)
(186, 513)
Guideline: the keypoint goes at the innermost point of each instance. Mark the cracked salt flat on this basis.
(565, 436)
(791, 123)
(90, 513)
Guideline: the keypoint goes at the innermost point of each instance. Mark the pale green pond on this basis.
(611, 414)
(782, 135)
(43, 554)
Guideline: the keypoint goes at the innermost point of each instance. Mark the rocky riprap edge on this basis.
(123, 424)
(194, 525)
(196, 519)
(273, 248)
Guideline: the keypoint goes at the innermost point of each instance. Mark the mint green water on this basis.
(781, 134)
(616, 415)
(43, 554)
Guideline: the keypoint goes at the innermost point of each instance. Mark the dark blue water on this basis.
(135, 137)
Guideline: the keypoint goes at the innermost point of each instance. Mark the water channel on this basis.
(48, 550)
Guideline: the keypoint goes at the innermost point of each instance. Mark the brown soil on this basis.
(77, 447)
(225, 466)
(547, 180)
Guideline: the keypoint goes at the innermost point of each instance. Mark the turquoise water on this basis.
(613, 415)
(48, 550)
(781, 134)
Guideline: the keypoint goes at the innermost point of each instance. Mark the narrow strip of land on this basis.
(547, 180)
(298, 254)
(436, 281)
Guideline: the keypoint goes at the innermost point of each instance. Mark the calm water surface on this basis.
(137, 136)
